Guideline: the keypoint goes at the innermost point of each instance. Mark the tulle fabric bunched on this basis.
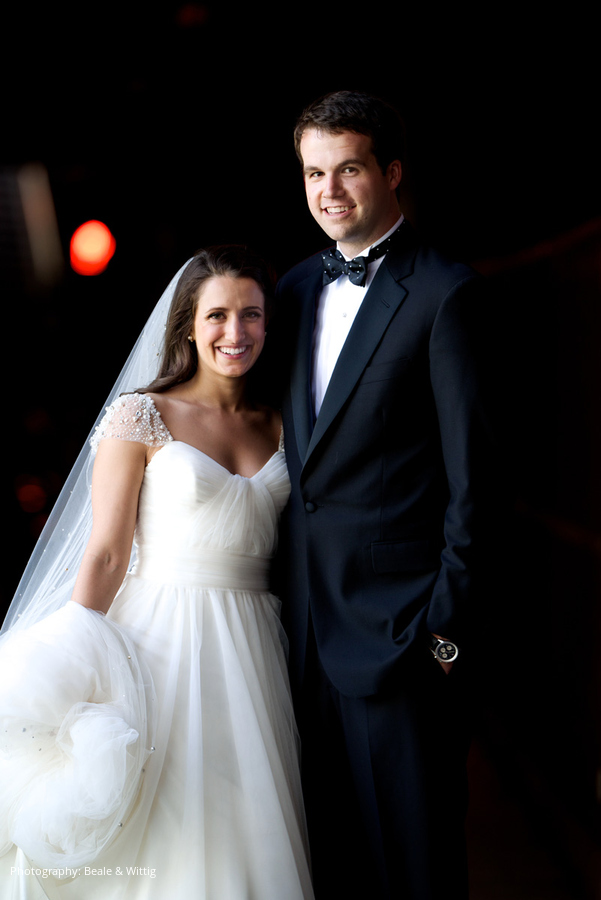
(80, 761)
(77, 720)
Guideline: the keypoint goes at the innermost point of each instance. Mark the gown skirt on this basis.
(153, 753)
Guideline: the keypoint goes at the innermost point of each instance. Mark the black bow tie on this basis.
(335, 265)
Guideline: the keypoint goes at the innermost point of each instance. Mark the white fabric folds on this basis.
(76, 728)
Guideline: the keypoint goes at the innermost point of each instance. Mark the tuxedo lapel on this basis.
(380, 304)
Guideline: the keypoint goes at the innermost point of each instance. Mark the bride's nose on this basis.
(234, 330)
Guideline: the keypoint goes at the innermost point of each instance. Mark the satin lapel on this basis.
(379, 306)
(300, 382)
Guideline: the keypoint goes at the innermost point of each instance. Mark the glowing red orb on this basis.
(92, 248)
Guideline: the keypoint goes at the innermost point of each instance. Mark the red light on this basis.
(31, 495)
(92, 248)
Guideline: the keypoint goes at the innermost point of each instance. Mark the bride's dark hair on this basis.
(179, 360)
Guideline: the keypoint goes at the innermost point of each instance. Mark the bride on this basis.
(147, 742)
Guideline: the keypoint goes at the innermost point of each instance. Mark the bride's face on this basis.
(229, 325)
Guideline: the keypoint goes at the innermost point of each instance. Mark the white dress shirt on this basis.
(337, 307)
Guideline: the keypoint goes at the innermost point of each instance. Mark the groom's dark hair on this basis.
(358, 112)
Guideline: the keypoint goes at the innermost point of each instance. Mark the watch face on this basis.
(446, 651)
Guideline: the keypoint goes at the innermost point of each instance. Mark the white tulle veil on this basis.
(49, 577)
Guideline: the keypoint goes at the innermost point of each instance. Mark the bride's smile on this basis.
(229, 326)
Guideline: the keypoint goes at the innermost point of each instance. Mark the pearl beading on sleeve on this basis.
(133, 417)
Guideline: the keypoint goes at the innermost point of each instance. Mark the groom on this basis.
(386, 444)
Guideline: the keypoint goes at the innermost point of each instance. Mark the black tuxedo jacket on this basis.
(379, 541)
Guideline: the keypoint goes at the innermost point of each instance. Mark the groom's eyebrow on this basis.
(352, 161)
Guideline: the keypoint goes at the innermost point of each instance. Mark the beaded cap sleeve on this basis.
(132, 417)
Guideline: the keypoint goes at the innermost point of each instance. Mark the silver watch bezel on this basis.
(436, 647)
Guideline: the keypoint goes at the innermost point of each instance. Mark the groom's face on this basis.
(348, 194)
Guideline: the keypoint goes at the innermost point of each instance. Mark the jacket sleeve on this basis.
(459, 362)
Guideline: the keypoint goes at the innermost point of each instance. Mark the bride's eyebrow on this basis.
(227, 309)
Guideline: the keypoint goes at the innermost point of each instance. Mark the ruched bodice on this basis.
(197, 522)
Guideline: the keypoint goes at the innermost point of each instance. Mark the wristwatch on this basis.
(444, 651)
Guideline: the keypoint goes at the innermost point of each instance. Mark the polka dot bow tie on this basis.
(335, 265)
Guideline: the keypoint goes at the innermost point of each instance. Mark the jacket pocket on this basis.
(385, 371)
(388, 557)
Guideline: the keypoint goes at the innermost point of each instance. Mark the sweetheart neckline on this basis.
(206, 455)
(214, 461)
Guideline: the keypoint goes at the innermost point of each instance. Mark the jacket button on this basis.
(310, 507)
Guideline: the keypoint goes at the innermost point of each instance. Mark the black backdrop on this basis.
(174, 126)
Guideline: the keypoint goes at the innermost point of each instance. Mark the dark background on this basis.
(174, 126)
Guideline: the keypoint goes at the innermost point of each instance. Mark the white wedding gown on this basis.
(153, 753)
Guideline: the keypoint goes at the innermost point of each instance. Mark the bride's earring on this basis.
(190, 338)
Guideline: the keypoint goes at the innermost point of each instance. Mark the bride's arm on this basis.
(116, 481)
